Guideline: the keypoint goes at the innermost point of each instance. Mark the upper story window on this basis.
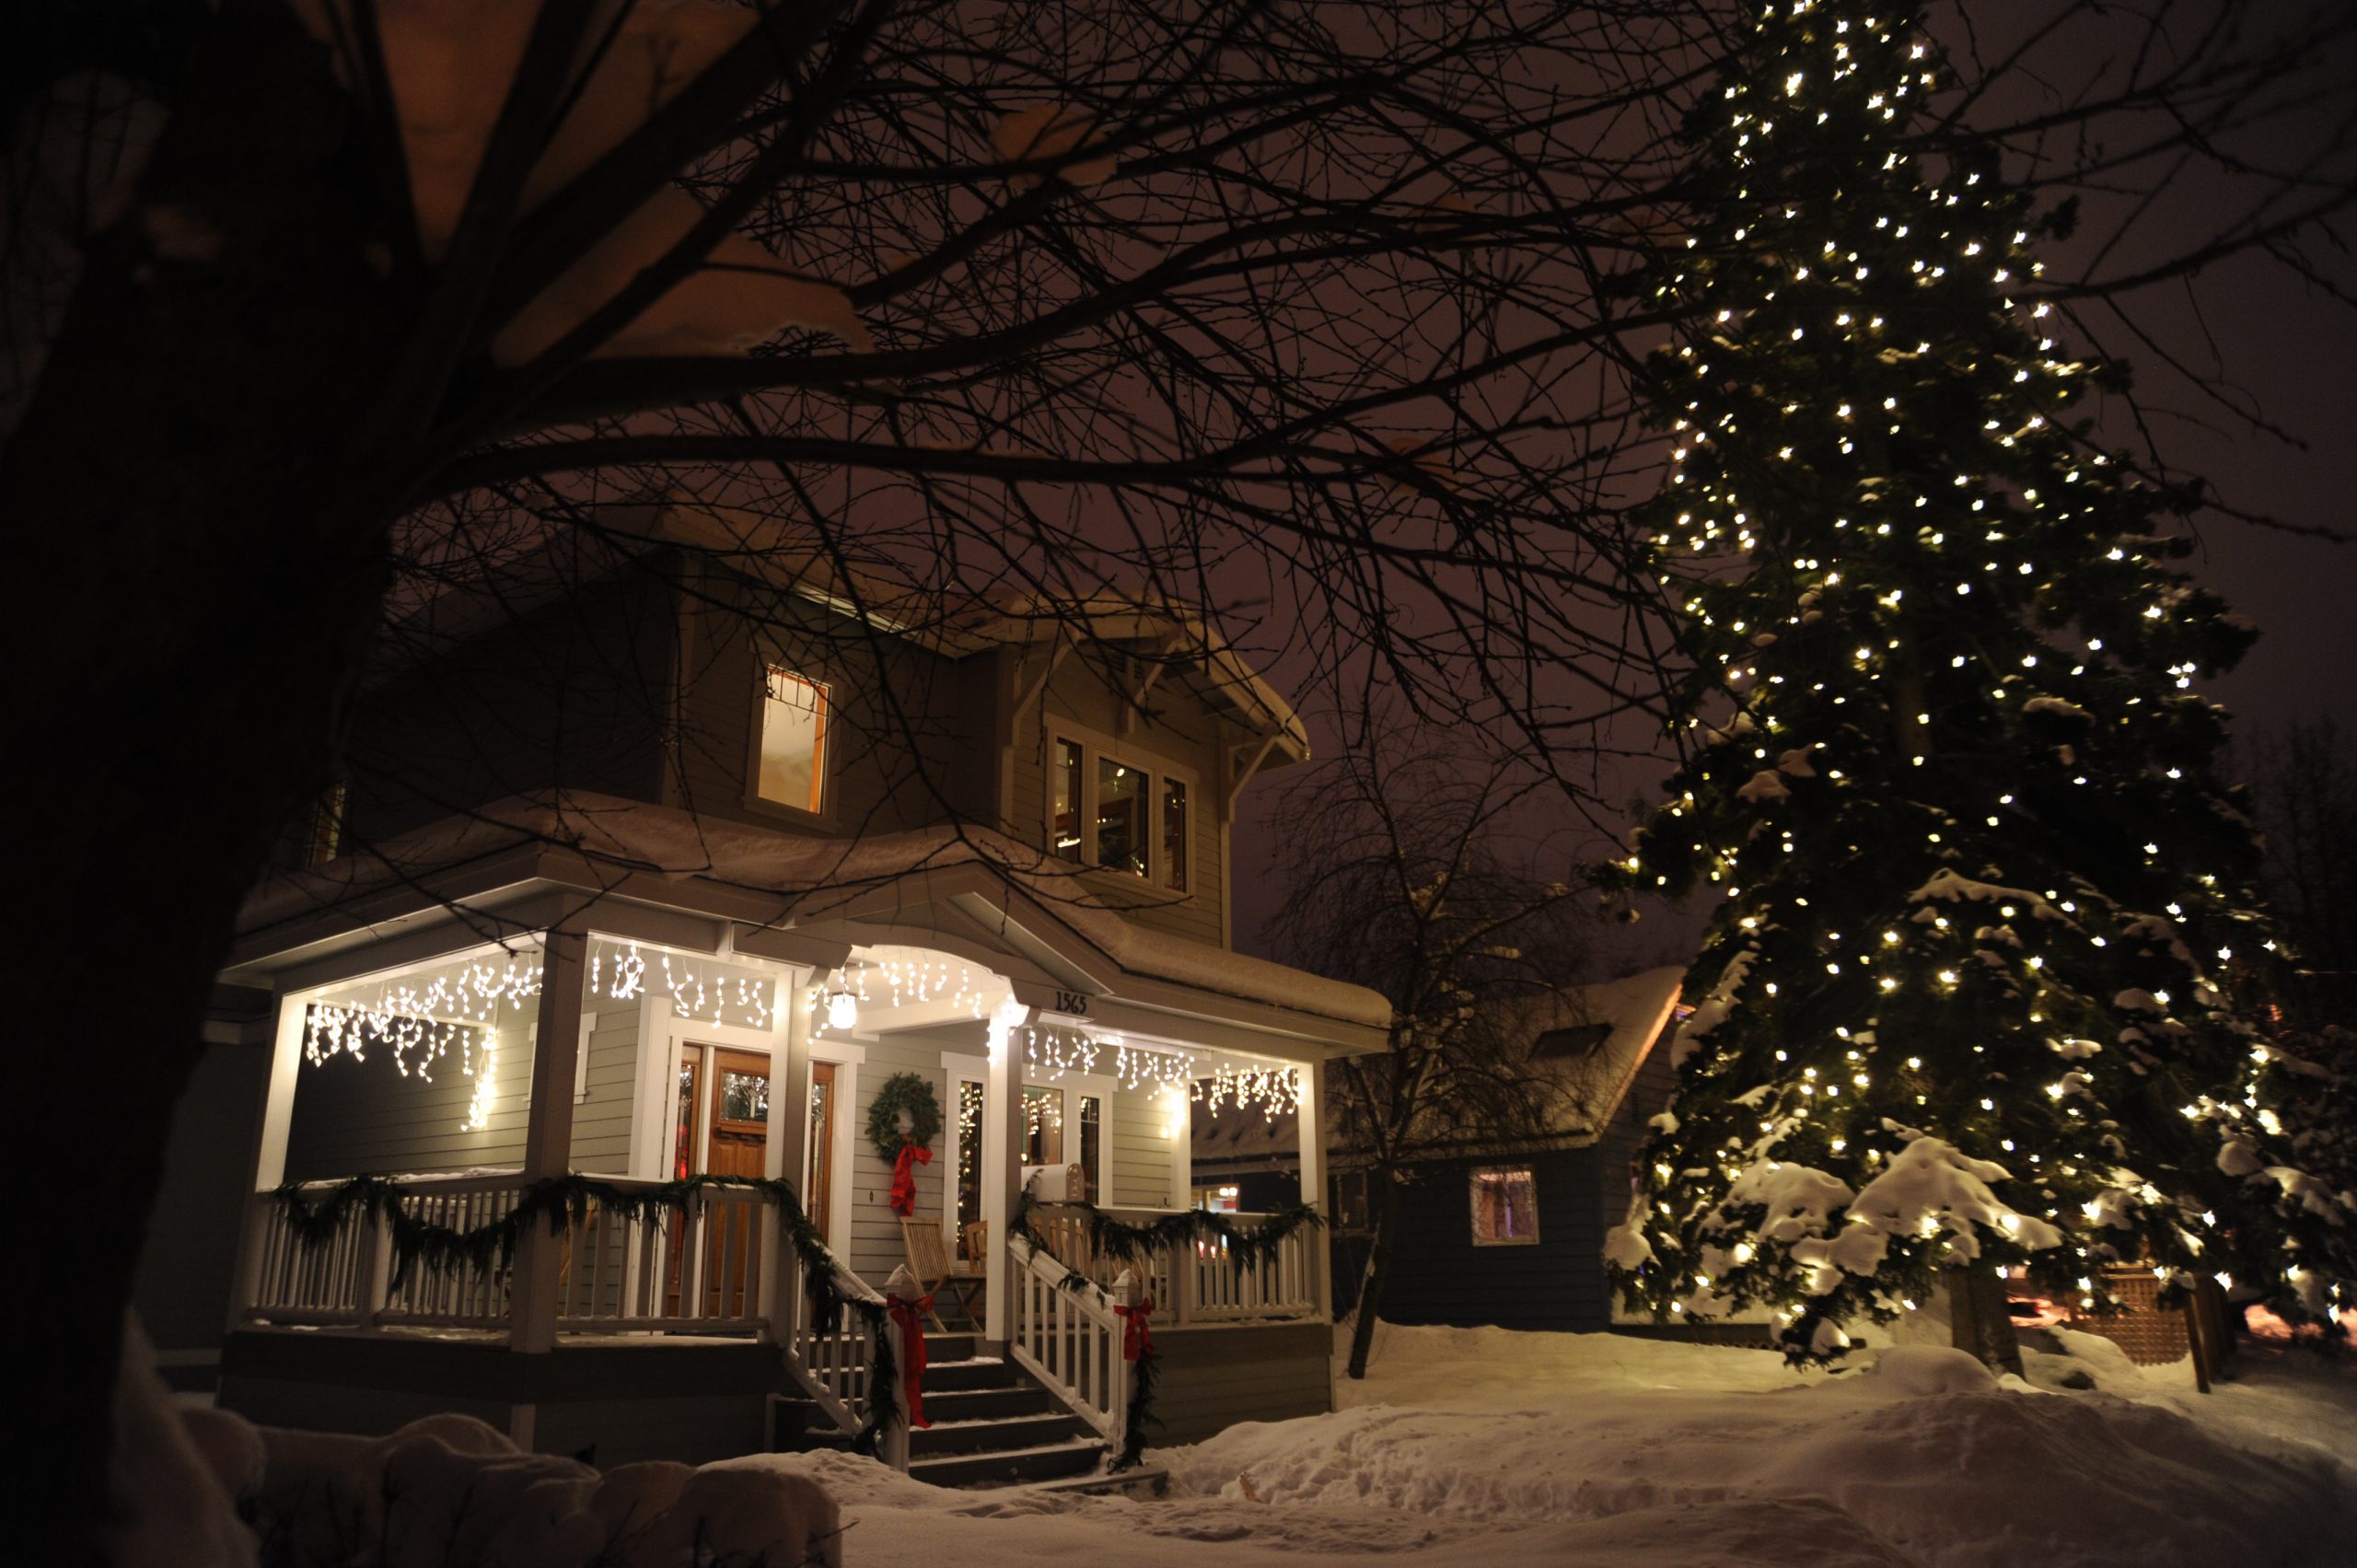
(1120, 813)
(793, 770)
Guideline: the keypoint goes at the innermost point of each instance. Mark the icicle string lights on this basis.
(896, 979)
(1274, 1090)
(420, 1024)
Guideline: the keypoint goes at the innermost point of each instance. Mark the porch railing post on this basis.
(376, 1267)
(1001, 1170)
(1186, 1269)
(273, 1120)
(548, 1138)
(789, 1142)
(1125, 1294)
(1311, 1117)
(892, 1433)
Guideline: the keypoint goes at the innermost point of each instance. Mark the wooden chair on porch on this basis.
(930, 1262)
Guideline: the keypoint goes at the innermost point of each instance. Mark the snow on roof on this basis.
(1637, 1009)
(627, 836)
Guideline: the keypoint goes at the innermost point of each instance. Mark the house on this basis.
(667, 856)
(1510, 1235)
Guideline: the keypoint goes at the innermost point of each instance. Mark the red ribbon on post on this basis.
(909, 1316)
(1137, 1331)
(904, 1180)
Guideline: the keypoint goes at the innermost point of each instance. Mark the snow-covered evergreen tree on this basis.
(1970, 998)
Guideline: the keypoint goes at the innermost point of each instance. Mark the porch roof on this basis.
(670, 876)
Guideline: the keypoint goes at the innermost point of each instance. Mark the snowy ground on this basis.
(1483, 1447)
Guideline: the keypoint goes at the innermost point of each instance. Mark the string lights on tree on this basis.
(1970, 998)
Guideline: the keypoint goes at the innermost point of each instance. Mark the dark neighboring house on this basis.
(1511, 1237)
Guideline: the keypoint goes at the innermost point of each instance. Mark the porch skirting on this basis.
(612, 1402)
(1213, 1376)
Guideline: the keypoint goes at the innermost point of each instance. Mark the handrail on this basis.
(1201, 1283)
(1069, 1338)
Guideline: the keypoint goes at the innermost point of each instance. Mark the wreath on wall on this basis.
(903, 1091)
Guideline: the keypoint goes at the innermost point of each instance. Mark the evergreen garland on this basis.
(1126, 1243)
(561, 1200)
(903, 1091)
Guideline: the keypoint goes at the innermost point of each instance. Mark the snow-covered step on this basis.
(1010, 1467)
(998, 1433)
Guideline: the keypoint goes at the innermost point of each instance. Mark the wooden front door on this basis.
(818, 1177)
(720, 1127)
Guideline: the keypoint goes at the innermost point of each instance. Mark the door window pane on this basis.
(1121, 817)
(1092, 1128)
(1505, 1208)
(1064, 785)
(794, 740)
(970, 1156)
(1174, 835)
(1043, 1126)
(744, 1097)
(683, 1115)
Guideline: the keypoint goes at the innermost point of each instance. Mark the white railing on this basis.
(1069, 1338)
(1213, 1287)
(697, 1269)
(711, 1267)
(831, 1364)
(1200, 1282)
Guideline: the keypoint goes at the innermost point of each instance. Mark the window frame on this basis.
(822, 779)
(1095, 750)
(1473, 1204)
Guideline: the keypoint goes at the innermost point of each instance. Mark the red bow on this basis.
(904, 1180)
(1137, 1335)
(909, 1316)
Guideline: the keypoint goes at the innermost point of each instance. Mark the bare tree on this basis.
(1302, 310)
(1411, 872)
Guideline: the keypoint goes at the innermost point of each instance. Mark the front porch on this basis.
(638, 1319)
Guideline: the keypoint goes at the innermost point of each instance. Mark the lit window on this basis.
(1224, 1199)
(1066, 785)
(794, 740)
(1505, 1208)
(1174, 835)
(1121, 817)
(1118, 814)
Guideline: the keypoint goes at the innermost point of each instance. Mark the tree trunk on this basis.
(1379, 1270)
(187, 617)
(1977, 1321)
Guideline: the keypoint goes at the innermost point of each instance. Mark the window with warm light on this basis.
(1121, 813)
(793, 770)
(1505, 1207)
(1174, 834)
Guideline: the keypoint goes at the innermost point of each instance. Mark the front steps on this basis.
(993, 1427)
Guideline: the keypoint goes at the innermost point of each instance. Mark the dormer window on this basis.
(1119, 812)
(793, 765)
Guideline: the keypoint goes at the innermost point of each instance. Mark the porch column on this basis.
(548, 1136)
(789, 1144)
(270, 1147)
(1002, 1168)
(1311, 1117)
